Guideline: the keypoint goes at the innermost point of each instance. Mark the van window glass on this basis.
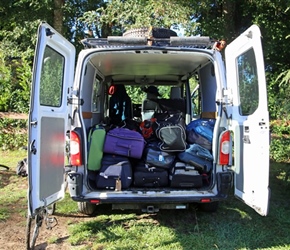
(96, 95)
(51, 79)
(195, 96)
(248, 83)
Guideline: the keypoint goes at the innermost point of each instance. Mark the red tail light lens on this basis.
(225, 148)
(75, 149)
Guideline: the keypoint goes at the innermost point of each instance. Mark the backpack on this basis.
(22, 168)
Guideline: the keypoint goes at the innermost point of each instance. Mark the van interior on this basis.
(185, 80)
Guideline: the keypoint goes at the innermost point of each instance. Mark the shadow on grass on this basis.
(234, 226)
(5, 177)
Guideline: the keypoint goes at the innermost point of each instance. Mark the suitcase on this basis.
(123, 141)
(154, 156)
(197, 156)
(115, 173)
(185, 176)
(146, 176)
(96, 141)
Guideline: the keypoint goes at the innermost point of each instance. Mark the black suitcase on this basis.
(115, 173)
(147, 176)
(185, 176)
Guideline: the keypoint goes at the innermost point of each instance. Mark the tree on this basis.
(123, 15)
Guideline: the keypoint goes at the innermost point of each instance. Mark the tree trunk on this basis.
(58, 15)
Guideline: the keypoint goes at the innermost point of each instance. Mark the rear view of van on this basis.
(154, 123)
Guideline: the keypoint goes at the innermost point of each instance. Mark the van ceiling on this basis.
(156, 65)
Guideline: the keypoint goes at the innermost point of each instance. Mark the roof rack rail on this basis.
(113, 41)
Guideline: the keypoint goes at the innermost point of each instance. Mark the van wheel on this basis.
(87, 208)
(209, 207)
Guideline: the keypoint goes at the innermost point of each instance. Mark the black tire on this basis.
(209, 207)
(156, 33)
(87, 208)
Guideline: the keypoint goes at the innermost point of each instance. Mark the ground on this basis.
(13, 229)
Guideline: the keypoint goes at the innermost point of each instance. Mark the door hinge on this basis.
(33, 123)
(227, 96)
(75, 101)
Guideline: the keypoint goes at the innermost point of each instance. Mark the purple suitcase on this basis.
(122, 141)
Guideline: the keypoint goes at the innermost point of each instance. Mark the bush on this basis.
(13, 133)
(280, 141)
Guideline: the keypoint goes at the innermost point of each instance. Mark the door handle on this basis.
(32, 148)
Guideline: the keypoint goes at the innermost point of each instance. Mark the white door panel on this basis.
(250, 122)
(48, 118)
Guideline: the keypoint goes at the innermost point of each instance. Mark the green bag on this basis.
(96, 141)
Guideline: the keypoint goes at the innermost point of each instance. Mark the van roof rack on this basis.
(202, 42)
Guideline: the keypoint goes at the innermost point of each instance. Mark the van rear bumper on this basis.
(150, 200)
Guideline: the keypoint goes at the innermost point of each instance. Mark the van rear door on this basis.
(250, 119)
(53, 72)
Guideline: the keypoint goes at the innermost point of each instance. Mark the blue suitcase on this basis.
(198, 157)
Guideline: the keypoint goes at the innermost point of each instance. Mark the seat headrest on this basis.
(175, 93)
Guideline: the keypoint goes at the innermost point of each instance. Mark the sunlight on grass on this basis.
(10, 158)
(243, 214)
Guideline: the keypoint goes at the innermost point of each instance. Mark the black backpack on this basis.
(21, 168)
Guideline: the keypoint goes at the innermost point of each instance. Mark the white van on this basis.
(68, 99)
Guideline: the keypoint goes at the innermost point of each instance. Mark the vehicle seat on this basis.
(175, 103)
(175, 93)
(149, 106)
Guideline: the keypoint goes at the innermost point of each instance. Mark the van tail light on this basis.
(225, 147)
(75, 149)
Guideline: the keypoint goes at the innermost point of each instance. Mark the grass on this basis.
(234, 227)
(12, 187)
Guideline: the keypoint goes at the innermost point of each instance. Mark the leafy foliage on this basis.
(145, 13)
(15, 84)
(14, 133)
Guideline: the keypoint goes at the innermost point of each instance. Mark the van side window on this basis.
(195, 97)
(248, 83)
(96, 95)
(51, 80)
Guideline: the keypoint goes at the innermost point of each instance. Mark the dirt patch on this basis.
(13, 229)
(13, 115)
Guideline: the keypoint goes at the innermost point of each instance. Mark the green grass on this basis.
(234, 227)
(12, 187)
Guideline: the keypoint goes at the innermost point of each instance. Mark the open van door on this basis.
(53, 73)
(250, 119)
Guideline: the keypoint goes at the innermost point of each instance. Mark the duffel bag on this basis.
(171, 131)
(192, 138)
(203, 127)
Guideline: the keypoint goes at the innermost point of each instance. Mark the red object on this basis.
(147, 128)
(112, 89)
(224, 154)
(75, 149)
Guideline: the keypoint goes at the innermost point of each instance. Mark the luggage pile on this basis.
(160, 152)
